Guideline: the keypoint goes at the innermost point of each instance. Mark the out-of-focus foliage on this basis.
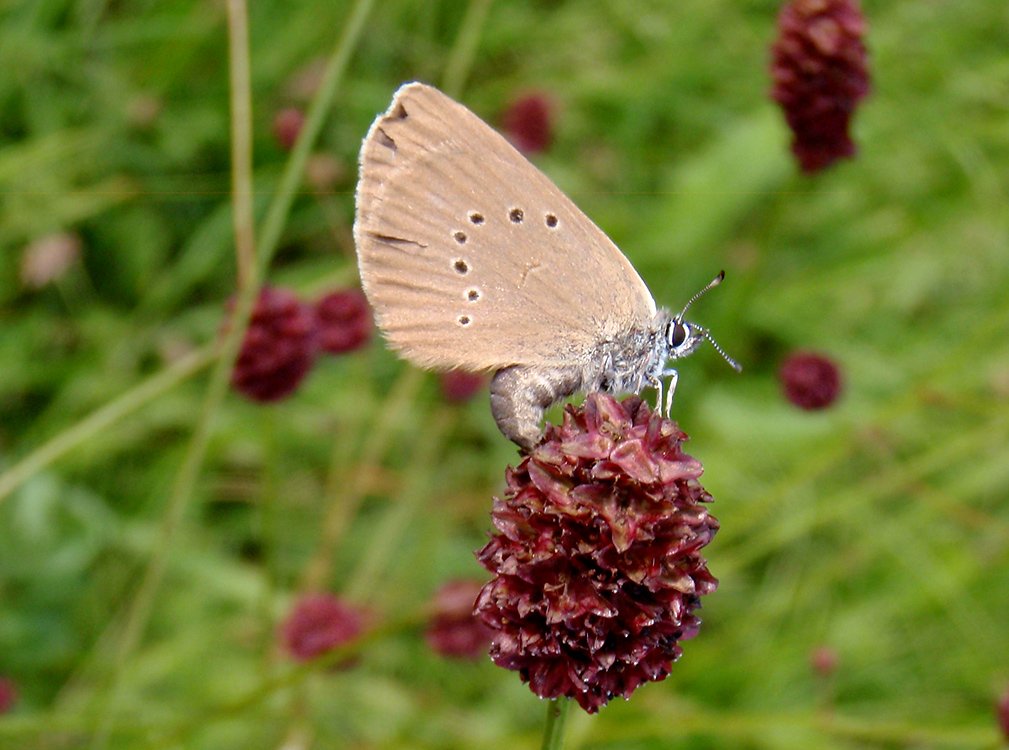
(877, 528)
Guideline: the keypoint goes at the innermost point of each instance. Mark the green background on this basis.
(138, 609)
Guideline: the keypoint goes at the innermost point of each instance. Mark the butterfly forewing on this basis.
(470, 256)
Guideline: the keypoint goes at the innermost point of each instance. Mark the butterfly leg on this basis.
(656, 383)
(673, 378)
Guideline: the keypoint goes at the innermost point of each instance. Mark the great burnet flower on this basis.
(319, 623)
(453, 629)
(344, 321)
(820, 73)
(279, 348)
(597, 559)
(810, 381)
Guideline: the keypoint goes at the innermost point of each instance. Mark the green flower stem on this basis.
(138, 613)
(460, 58)
(241, 144)
(276, 215)
(553, 732)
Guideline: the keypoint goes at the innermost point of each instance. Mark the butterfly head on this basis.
(683, 337)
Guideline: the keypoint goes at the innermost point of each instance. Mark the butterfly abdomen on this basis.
(519, 395)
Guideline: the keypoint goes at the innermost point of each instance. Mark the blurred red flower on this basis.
(8, 694)
(458, 386)
(344, 321)
(528, 123)
(454, 630)
(820, 73)
(287, 125)
(279, 347)
(810, 381)
(319, 623)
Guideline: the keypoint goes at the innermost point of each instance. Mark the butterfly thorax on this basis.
(630, 362)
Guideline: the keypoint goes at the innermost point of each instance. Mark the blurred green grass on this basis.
(879, 529)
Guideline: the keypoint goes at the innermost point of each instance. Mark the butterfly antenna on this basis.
(711, 285)
(732, 363)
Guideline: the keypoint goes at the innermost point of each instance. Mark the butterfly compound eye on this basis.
(677, 334)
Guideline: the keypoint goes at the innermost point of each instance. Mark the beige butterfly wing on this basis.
(471, 257)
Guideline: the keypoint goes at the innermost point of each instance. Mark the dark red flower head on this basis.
(597, 557)
(8, 694)
(810, 381)
(454, 630)
(344, 321)
(527, 123)
(319, 623)
(458, 386)
(820, 73)
(279, 347)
